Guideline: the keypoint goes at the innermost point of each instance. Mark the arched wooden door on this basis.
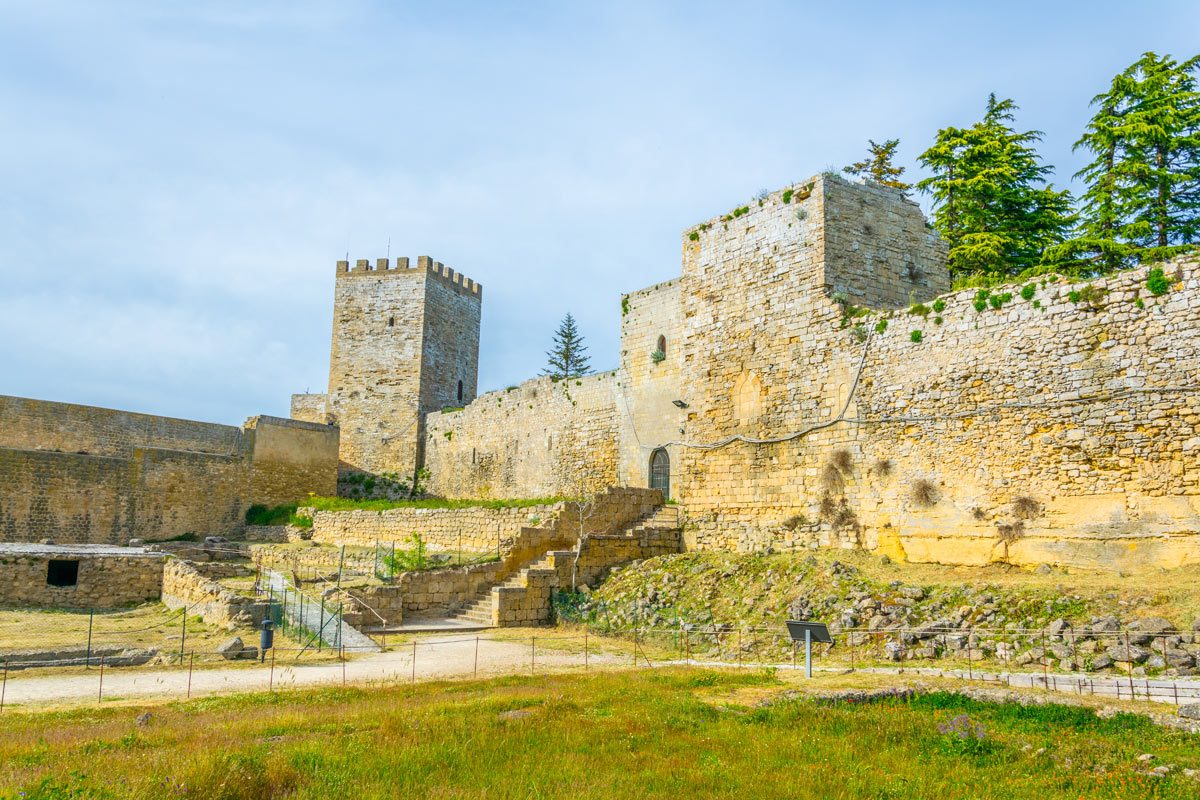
(660, 471)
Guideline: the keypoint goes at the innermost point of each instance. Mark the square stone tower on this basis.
(405, 342)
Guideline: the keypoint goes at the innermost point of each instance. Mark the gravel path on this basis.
(436, 658)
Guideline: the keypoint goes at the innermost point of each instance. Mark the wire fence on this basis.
(295, 665)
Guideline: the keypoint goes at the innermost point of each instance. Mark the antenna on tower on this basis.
(389, 252)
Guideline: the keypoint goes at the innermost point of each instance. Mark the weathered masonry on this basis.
(808, 380)
(80, 474)
(83, 576)
(405, 343)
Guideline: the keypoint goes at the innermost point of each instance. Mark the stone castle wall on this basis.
(1059, 428)
(80, 474)
(543, 438)
(1045, 431)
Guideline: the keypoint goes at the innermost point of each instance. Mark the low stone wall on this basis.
(104, 577)
(195, 586)
(323, 559)
(476, 529)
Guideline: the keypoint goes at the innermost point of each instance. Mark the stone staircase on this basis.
(553, 567)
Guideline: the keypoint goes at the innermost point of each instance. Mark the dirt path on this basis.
(436, 658)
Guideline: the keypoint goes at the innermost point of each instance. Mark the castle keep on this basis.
(405, 342)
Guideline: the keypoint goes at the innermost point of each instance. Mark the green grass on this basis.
(348, 504)
(662, 733)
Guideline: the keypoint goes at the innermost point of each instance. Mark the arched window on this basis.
(660, 471)
(662, 345)
(391, 322)
(460, 391)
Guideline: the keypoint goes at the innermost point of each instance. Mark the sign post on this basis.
(808, 632)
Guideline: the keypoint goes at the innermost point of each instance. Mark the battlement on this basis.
(436, 269)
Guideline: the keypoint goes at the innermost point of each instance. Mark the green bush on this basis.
(300, 520)
(937, 320)
(694, 236)
(261, 515)
(1157, 283)
(920, 309)
(881, 326)
(939, 305)
(915, 336)
(787, 195)
(1029, 290)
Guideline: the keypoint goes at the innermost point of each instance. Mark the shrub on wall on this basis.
(915, 336)
(1156, 282)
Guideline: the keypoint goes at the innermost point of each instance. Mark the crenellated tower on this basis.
(405, 342)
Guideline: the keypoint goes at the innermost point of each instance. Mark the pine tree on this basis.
(878, 168)
(992, 203)
(1143, 197)
(566, 359)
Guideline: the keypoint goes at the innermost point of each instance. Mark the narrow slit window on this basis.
(460, 391)
(391, 322)
(662, 345)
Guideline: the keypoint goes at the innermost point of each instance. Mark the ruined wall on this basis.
(402, 340)
(104, 580)
(195, 586)
(540, 439)
(94, 481)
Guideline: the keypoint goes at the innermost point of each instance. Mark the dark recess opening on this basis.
(62, 573)
(460, 391)
(391, 322)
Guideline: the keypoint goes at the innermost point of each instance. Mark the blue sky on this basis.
(178, 179)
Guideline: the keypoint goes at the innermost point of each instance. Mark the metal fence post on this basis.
(4, 685)
(100, 691)
(183, 634)
(1132, 691)
(88, 659)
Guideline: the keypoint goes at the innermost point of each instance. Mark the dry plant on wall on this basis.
(978, 514)
(882, 467)
(1025, 507)
(924, 493)
(842, 461)
(1009, 533)
(831, 479)
(827, 507)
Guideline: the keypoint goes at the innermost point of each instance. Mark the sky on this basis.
(178, 179)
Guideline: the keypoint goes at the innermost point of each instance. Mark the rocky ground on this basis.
(1149, 625)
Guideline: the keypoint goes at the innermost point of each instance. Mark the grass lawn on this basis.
(662, 733)
(146, 625)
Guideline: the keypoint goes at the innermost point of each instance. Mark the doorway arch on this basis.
(660, 471)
